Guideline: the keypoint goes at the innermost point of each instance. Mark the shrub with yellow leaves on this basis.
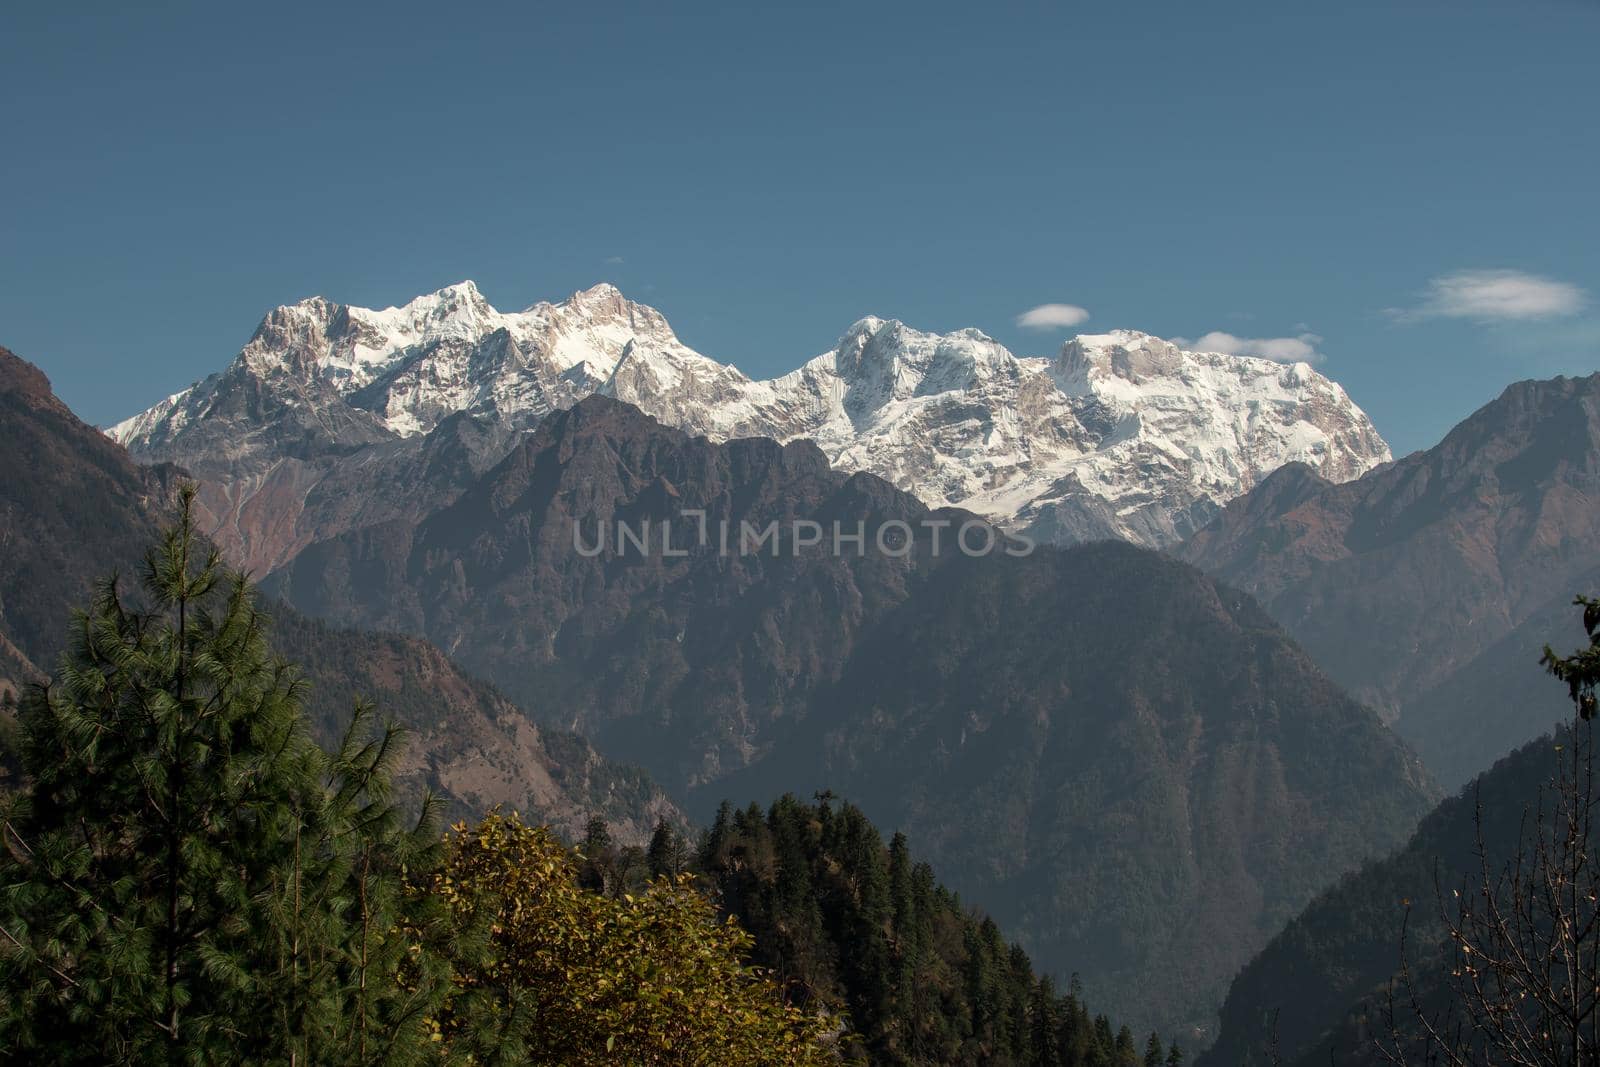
(560, 975)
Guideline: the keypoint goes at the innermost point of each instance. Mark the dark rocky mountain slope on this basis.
(1131, 767)
(692, 664)
(74, 508)
(1420, 581)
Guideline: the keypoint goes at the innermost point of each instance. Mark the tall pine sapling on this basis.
(186, 877)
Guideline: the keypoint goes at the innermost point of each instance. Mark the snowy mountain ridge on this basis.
(1120, 435)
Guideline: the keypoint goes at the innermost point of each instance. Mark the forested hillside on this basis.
(859, 928)
(1333, 960)
(1476, 938)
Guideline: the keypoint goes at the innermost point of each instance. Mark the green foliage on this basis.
(1581, 670)
(668, 854)
(845, 923)
(185, 876)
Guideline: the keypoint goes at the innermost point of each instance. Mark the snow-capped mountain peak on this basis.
(442, 352)
(1121, 434)
(887, 358)
(457, 312)
(1130, 355)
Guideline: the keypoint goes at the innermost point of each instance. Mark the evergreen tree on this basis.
(1127, 1053)
(186, 877)
(1076, 1034)
(864, 942)
(1105, 1040)
(598, 872)
(793, 901)
(1044, 1048)
(596, 836)
(668, 855)
(1581, 670)
(716, 838)
(1154, 1054)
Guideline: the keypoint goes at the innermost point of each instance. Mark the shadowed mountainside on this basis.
(74, 507)
(1418, 582)
(1319, 984)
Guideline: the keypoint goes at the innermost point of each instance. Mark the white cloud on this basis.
(1496, 295)
(1052, 317)
(1301, 348)
(613, 260)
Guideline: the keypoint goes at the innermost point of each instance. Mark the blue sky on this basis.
(1408, 188)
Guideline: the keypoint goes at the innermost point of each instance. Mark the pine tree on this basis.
(1106, 1041)
(1044, 1042)
(1581, 670)
(1154, 1054)
(716, 838)
(186, 876)
(668, 855)
(1127, 1053)
(598, 871)
(794, 902)
(596, 836)
(866, 914)
(1075, 1038)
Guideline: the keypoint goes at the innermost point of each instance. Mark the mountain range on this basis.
(843, 922)
(1078, 737)
(711, 669)
(1120, 435)
(514, 529)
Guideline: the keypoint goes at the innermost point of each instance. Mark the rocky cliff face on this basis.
(693, 662)
(318, 425)
(73, 507)
(1453, 562)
